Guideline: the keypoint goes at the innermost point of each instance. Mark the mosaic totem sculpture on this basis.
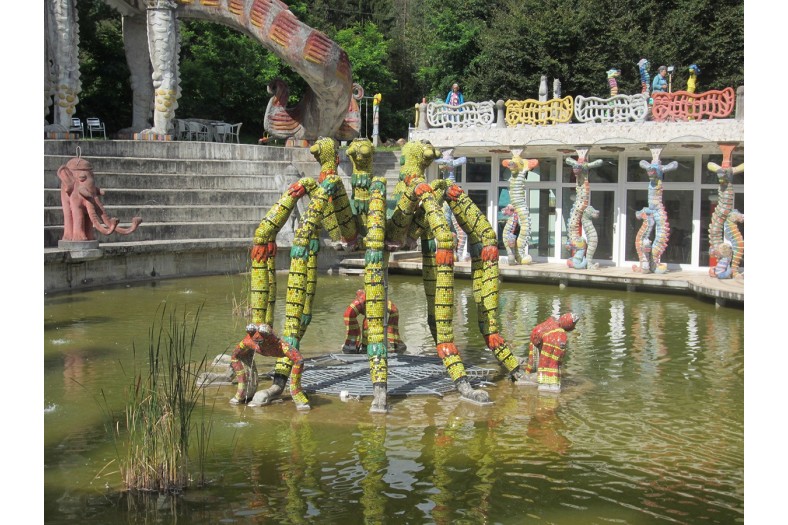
(645, 78)
(519, 167)
(724, 221)
(546, 351)
(655, 218)
(579, 246)
(612, 81)
(509, 233)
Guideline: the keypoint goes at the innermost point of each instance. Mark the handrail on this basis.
(467, 115)
(683, 105)
(620, 108)
(530, 111)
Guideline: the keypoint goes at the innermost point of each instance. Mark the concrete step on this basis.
(177, 197)
(168, 230)
(174, 166)
(230, 181)
(53, 216)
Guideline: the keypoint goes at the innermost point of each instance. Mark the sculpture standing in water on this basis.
(546, 351)
(418, 214)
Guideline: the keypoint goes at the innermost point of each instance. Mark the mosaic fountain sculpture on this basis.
(519, 167)
(418, 215)
(654, 217)
(582, 248)
(724, 228)
(356, 334)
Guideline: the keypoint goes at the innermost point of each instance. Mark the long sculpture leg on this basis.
(485, 273)
(375, 267)
(444, 295)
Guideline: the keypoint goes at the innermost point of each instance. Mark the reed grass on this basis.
(160, 408)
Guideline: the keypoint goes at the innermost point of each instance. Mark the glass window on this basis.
(478, 169)
(541, 208)
(678, 206)
(479, 197)
(685, 172)
(603, 201)
(607, 172)
(709, 177)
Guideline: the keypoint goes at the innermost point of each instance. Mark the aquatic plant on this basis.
(159, 408)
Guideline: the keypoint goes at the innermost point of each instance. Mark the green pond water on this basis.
(648, 429)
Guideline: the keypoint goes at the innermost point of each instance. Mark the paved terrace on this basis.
(726, 292)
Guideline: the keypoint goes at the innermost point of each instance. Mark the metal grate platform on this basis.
(408, 375)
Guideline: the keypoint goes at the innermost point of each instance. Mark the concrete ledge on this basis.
(125, 263)
(726, 292)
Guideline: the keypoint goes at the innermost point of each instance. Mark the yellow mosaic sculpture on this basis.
(534, 112)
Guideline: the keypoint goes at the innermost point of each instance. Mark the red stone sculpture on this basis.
(82, 206)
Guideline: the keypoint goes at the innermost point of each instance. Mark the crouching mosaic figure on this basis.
(724, 254)
(546, 351)
(356, 335)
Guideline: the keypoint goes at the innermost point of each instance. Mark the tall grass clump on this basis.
(159, 408)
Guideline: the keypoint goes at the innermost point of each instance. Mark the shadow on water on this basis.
(649, 427)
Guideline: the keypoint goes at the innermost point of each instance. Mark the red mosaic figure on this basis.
(356, 338)
(547, 346)
(272, 346)
(241, 363)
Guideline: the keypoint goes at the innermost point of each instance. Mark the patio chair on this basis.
(234, 131)
(222, 130)
(197, 131)
(95, 125)
(77, 127)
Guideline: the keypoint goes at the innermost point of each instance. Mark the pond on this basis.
(649, 427)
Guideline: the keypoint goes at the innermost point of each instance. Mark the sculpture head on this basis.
(613, 73)
(77, 173)
(643, 64)
(324, 151)
(251, 329)
(694, 70)
(360, 153)
(581, 167)
(518, 165)
(447, 163)
(656, 171)
(722, 251)
(568, 321)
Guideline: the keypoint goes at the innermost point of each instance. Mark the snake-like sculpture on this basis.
(580, 169)
(418, 214)
(658, 215)
(723, 226)
(519, 167)
(643, 240)
(592, 238)
(447, 164)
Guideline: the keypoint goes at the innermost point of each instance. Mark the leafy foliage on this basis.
(408, 50)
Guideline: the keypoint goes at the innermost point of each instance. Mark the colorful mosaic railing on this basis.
(467, 115)
(530, 111)
(683, 105)
(620, 108)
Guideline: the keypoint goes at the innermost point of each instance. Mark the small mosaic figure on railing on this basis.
(692, 81)
(612, 76)
(645, 78)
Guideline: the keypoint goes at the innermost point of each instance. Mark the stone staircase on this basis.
(196, 197)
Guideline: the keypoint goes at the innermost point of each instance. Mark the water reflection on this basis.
(649, 426)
